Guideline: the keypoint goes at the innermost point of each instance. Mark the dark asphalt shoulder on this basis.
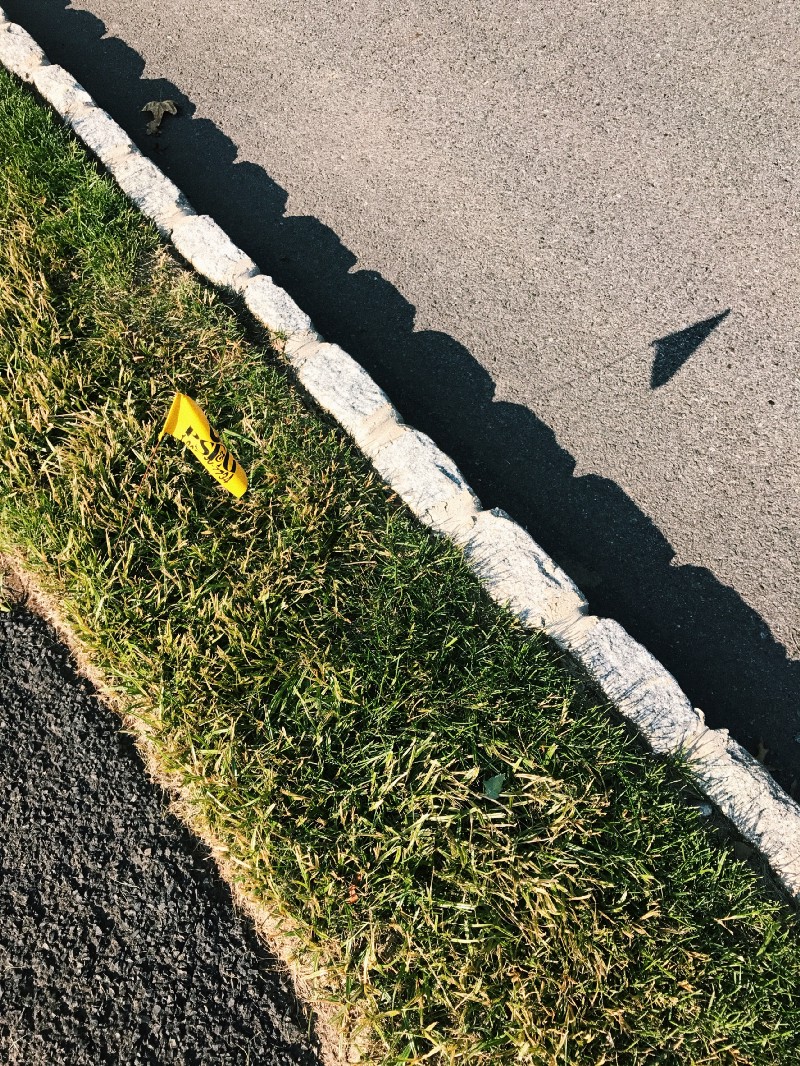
(119, 941)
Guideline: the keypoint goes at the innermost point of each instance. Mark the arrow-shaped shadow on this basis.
(675, 349)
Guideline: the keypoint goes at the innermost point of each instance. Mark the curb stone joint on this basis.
(510, 565)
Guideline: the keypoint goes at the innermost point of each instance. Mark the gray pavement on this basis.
(119, 942)
(519, 218)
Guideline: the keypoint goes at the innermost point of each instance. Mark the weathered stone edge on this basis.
(513, 569)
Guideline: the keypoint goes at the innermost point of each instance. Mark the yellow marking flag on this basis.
(189, 425)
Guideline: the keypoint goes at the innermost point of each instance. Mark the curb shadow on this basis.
(720, 650)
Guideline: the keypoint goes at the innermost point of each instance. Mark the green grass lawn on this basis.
(492, 867)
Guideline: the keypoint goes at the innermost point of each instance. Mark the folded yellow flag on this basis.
(188, 423)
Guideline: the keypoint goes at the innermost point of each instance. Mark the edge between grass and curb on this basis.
(511, 566)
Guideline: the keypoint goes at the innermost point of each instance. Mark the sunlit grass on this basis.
(494, 870)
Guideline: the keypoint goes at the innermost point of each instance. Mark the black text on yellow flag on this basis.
(188, 424)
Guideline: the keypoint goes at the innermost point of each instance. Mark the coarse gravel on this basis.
(119, 941)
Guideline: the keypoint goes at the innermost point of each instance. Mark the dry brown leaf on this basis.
(159, 108)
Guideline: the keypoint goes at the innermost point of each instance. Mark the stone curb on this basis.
(512, 568)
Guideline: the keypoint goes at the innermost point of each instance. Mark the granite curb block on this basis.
(510, 565)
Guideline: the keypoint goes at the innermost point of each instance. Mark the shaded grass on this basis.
(492, 868)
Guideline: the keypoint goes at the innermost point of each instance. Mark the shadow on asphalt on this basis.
(676, 349)
(719, 649)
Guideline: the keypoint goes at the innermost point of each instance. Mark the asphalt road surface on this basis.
(118, 940)
(564, 239)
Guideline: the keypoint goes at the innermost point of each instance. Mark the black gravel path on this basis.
(118, 939)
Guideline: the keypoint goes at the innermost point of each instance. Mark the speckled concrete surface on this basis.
(504, 211)
(118, 939)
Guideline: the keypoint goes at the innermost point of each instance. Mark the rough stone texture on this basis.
(154, 195)
(101, 134)
(645, 693)
(211, 252)
(274, 307)
(427, 480)
(18, 51)
(118, 940)
(751, 799)
(61, 90)
(518, 573)
(649, 697)
(344, 389)
(302, 346)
